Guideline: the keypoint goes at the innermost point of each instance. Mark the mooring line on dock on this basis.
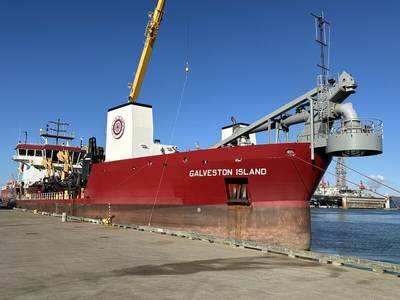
(331, 173)
(368, 177)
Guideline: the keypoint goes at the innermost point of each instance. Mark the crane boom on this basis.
(151, 34)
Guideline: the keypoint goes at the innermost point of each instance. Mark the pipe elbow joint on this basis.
(347, 111)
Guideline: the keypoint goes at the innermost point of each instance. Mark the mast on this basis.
(57, 130)
(151, 32)
(320, 37)
(26, 137)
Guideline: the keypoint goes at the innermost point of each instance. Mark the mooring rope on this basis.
(331, 173)
(307, 189)
(368, 177)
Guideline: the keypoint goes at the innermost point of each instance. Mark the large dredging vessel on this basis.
(236, 188)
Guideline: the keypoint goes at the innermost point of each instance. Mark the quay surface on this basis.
(42, 258)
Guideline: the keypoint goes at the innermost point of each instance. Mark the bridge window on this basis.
(22, 152)
(31, 152)
(75, 157)
(38, 153)
(54, 157)
(48, 153)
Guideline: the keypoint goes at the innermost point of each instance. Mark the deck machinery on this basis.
(329, 124)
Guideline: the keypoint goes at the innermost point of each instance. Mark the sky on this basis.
(74, 59)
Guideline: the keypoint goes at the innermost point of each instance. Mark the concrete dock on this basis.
(42, 258)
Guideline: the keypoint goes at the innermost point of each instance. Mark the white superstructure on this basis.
(130, 133)
(30, 157)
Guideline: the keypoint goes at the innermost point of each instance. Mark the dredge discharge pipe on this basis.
(350, 116)
(296, 119)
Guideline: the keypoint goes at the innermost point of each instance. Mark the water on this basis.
(365, 233)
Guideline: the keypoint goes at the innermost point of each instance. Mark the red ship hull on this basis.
(197, 191)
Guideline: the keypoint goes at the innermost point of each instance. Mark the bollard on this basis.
(64, 217)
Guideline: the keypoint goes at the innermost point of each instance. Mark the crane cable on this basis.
(178, 110)
(170, 141)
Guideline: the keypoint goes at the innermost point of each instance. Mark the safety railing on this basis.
(372, 126)
(50, 196)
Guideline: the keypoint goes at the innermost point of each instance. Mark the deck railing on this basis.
(372, 126)
(50, 196)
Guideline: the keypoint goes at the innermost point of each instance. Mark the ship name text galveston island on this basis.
(227, 172)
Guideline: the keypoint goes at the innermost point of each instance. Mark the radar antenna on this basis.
(57, 130)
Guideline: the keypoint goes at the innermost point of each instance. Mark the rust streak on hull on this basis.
(274, 225)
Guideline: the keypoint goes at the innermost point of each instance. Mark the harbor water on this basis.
(365, 233)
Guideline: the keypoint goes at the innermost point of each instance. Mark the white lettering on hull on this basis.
(252, 171)
(228, 172)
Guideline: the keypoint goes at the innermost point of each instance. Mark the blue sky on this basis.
(73, 60)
